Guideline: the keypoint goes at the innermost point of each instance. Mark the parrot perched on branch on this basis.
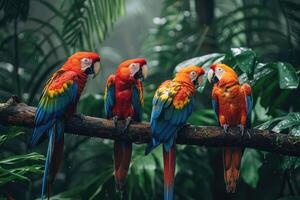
(124, 99)
(59, 98)
(173, 103)
(232, 103)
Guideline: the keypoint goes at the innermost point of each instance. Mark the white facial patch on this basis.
(193, 75)
(134, 68)
(219, 72)
(85, 63)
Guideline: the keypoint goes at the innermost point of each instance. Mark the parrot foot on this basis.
(128, 121)
(115, 121)
(242, 131)
(225, 128)
(187, 125)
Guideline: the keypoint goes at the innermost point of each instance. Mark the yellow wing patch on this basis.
(141, 92)
(59, 90)
(174, 91)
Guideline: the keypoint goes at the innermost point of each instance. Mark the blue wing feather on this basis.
(137, 104)
(166, 120)
(215, 106)
(249, 109)
(51, 109)
(110, 100)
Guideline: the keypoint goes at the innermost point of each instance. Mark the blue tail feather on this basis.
(48, 158)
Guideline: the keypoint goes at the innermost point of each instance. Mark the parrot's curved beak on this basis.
(200, 80)
(142, 73)
(210, 75)
(145, 71)
(96, 68)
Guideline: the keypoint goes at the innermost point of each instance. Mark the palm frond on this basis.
(88, 21)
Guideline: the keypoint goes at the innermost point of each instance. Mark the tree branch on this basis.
(19, 114)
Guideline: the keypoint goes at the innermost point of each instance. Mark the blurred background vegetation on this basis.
(259, 38)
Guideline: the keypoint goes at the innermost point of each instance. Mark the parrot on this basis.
(232, 103)
(124, 99)
(57, 102)
(173, 103)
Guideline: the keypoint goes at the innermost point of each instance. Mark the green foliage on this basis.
(269, 30)
(251, 163)
(29, 55)
(290, 122)
(90, 17)
(14, 168)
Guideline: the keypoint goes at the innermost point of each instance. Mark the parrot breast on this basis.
(123, 106)
(232, 105)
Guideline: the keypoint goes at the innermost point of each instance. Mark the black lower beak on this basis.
(139, 75)
(195, 82)
(89, 70)
(215, 79)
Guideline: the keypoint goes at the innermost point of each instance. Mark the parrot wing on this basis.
(138, 100)
(248, 93)
(172, 105)
(215, 103)
(109, 96)
(59, 93)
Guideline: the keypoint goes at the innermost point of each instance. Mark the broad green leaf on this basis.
(269, 123)
(203, 61)
(295, 131)
(288, 78)
(245, 59)
(292, 119)
(251, 163)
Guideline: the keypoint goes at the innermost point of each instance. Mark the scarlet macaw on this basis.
(59, 98)
(232, 103)
(124, 99)
(173, 103)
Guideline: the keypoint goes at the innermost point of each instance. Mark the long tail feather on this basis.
(122, 158)
(169, 172)
(58, 149)
(232, 160)
(151, 145)
(48, 160)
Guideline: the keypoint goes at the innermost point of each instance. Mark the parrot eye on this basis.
(85, 60)
(219, 70)
(133, 65)
(193, 75)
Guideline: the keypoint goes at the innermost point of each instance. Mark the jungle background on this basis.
(259, 38)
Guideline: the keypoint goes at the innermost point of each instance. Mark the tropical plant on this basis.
(30, 55)
(16, 167)
(187, 32)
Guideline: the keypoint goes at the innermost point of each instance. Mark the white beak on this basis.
(96, 68)
(210, 75)
(200, 80)
(145, 71)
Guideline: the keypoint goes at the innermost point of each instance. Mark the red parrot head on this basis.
(190, 74)
(133, 69)
(83, 62)
(221, 72)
